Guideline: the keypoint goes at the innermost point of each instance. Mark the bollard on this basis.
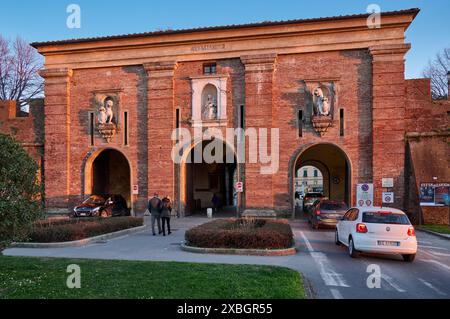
(209, 212)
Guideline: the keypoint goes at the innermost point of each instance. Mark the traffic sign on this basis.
(388, 198)
(239, 187)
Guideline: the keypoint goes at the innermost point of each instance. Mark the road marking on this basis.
(329, 276)
(391, 283)
(438, 254)
(426, 283)
(336, 294)
(433, 247)
(308, 244)
(437, 263)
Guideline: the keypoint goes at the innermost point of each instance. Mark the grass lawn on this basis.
(46, 278)
(443, 229)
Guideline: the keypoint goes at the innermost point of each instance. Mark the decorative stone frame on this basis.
(99, 98)
(197, 85)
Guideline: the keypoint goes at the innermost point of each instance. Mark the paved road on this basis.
(327, 267)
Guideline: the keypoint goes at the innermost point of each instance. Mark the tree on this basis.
(20, 190)
(437, 70)
(19, 66)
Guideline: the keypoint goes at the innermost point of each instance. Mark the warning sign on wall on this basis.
(364, 195)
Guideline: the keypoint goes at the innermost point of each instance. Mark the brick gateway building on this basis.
(334, 87)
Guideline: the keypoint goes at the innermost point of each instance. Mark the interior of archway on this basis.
(204, 180)
(332, 163)
(111, 175)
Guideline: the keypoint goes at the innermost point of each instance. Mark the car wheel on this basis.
(351, 248)
(336, 238)
(409, 258)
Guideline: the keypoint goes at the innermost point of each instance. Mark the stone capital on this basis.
(56, 73)
(160, 69)
(389, 52)
(259, 62)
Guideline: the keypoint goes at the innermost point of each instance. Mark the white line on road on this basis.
(432, 247)
(308, 244)
(437, 263)
(391, 283)
(438, 254)
(426, 283)
(329, 276)
(336, 294)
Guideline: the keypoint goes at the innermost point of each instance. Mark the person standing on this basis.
(154, 207)
(166, 211)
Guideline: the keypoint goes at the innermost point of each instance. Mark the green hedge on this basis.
(242, 234)
(49, 231)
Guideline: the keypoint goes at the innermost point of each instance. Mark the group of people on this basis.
(160, 210)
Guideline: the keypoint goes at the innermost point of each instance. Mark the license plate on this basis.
(388, 243)
(82, 214)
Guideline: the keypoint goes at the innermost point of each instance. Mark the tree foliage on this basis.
(437, 71)
(20, 190)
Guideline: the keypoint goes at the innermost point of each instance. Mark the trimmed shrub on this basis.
(242, 234)
(48, 231)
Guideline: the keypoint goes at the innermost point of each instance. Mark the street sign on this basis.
(388, 198)
(135, 190)
(239, 187)
(387, 182)
(364, 195)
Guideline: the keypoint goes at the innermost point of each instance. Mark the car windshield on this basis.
(97, 200)
(385, 218)
(333, 206)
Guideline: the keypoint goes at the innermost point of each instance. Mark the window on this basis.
(91, 127)
(125, 131)
(209, 68)
(242, 117)
(300, 123)
(316, 173)
(305, 173)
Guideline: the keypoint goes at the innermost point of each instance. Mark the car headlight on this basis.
(75, 209)
(96, 209)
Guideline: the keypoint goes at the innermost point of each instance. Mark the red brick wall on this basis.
(351, 72)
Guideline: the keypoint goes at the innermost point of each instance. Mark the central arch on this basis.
(200, 180)
(334, 165)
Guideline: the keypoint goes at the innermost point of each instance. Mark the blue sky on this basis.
(46, 19)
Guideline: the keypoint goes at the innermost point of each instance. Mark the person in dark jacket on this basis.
(166, 211)
(154, 207)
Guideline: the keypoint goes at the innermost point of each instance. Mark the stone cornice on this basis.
(160, 69)
(56, 73)
(319, 36)
(259, 62)
(391, 52)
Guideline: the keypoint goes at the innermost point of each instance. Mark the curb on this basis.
(236, 251)
(434, 233)
(81, 242)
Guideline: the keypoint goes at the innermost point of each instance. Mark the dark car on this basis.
(102, 206)
(327, 213)
(309, 199)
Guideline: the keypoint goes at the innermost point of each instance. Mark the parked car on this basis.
(102, 206)
(377, 230)
(326, 212)
(309, 199)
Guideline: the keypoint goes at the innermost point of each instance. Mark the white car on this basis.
(377, 230)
